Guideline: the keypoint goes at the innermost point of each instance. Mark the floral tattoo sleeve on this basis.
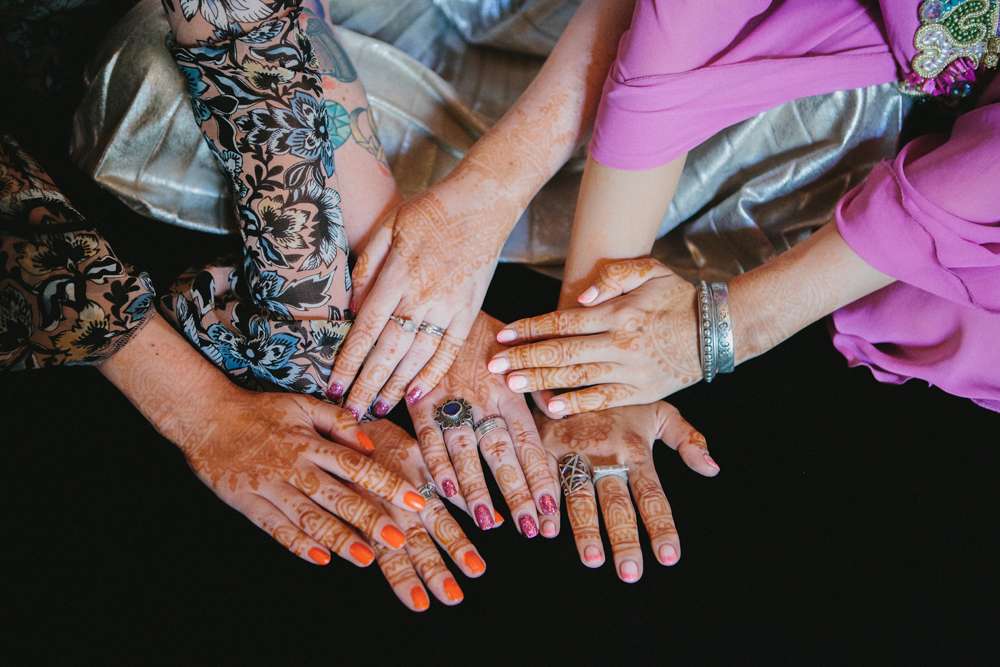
(65, 298)
(257, 91)
(268, 83)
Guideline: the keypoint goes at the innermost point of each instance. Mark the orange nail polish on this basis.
(452, 590)
(497, 518)
(319, 556)
(393, 537)
(362, 553)
(365, 442)
(420, 599)
(474, 562)
(414, 501)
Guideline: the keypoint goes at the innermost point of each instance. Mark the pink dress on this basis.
(931, 218)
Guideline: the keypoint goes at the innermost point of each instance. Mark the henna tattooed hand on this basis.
(514, 455)
(431, 261)
(286, 463)
(625, 436)
(634, 342)
(409, 570)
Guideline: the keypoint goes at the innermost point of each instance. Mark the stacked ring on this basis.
(431, 329)
(489, 423)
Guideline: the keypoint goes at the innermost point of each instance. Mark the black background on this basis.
(851, 520)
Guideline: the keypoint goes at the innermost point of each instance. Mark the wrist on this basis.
(165, 378)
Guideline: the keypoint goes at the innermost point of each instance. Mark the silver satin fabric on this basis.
(438, 73)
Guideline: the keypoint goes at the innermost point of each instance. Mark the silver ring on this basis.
(405, 324)
(489, 423)
(619, 471)
(431, 329)
(574, 473)
(453, 413)
(429, 491)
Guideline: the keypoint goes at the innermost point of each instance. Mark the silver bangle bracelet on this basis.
(715, 330)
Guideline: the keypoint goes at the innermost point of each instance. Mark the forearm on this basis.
(810, 281)
(555, 114)
(260, 102)
(618, 214)
(162, 374)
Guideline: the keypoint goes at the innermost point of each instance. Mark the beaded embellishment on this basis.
(955, 38)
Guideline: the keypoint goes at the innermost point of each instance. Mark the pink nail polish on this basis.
(484, 517)
(710, 461)
(415, 395)
(381, 408)
(549, 528)
(592, 554)
(668, 555)
(548, 505)
(335, 391)
(629, 571)
(506, 335)
(357, 415)
(448, 487)
(528, 526)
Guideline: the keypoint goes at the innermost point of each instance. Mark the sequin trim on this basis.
(956, 37)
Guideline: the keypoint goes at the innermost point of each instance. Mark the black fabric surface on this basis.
(851, 520)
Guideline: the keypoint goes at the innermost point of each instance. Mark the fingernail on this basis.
(448, 487)
(588, 295)
(415, 394)
(362, 553)
(420, 599)
(335, 390)
(393, 536)
(474, 562)
(592, 554)
(357, 415)
(498, 365)
(528, 526)
(381, 408)
(549, 528)
(414, 501)
(452, 590)
(365, 442)
(668, 555)
(557, 406)
(483, 517)
(629, 571)
(517, 382)
(319, 556)
(498, 518)
(548, 505)
(506, 335)
(710, 461)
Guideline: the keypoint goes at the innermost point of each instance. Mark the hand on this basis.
(514, 455)
(634, 342)
(404, 569)
(276, 458)
(625, 436)
(431, 262)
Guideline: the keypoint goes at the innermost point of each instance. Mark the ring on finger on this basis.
(428, 490)
(454, 413)
(404, 323)
(620, 471)
(489, 423)
(574, 473)
(431, 329)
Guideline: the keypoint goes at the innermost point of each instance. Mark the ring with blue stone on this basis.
(453, 413)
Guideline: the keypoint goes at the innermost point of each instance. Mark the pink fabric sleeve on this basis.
(931, 219)
(689, 68)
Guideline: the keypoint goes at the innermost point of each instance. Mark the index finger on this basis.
(572, 322)
(348, 464)
(365, 331)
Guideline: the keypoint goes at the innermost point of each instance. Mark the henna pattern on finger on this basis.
(619, 515)
(566, 376)
(465, 459)
(653, 508)
(596, 398)
(396, 567)
(582, 511)
(423, 554)
(322, 527)
(447, 531)
(513, 490)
